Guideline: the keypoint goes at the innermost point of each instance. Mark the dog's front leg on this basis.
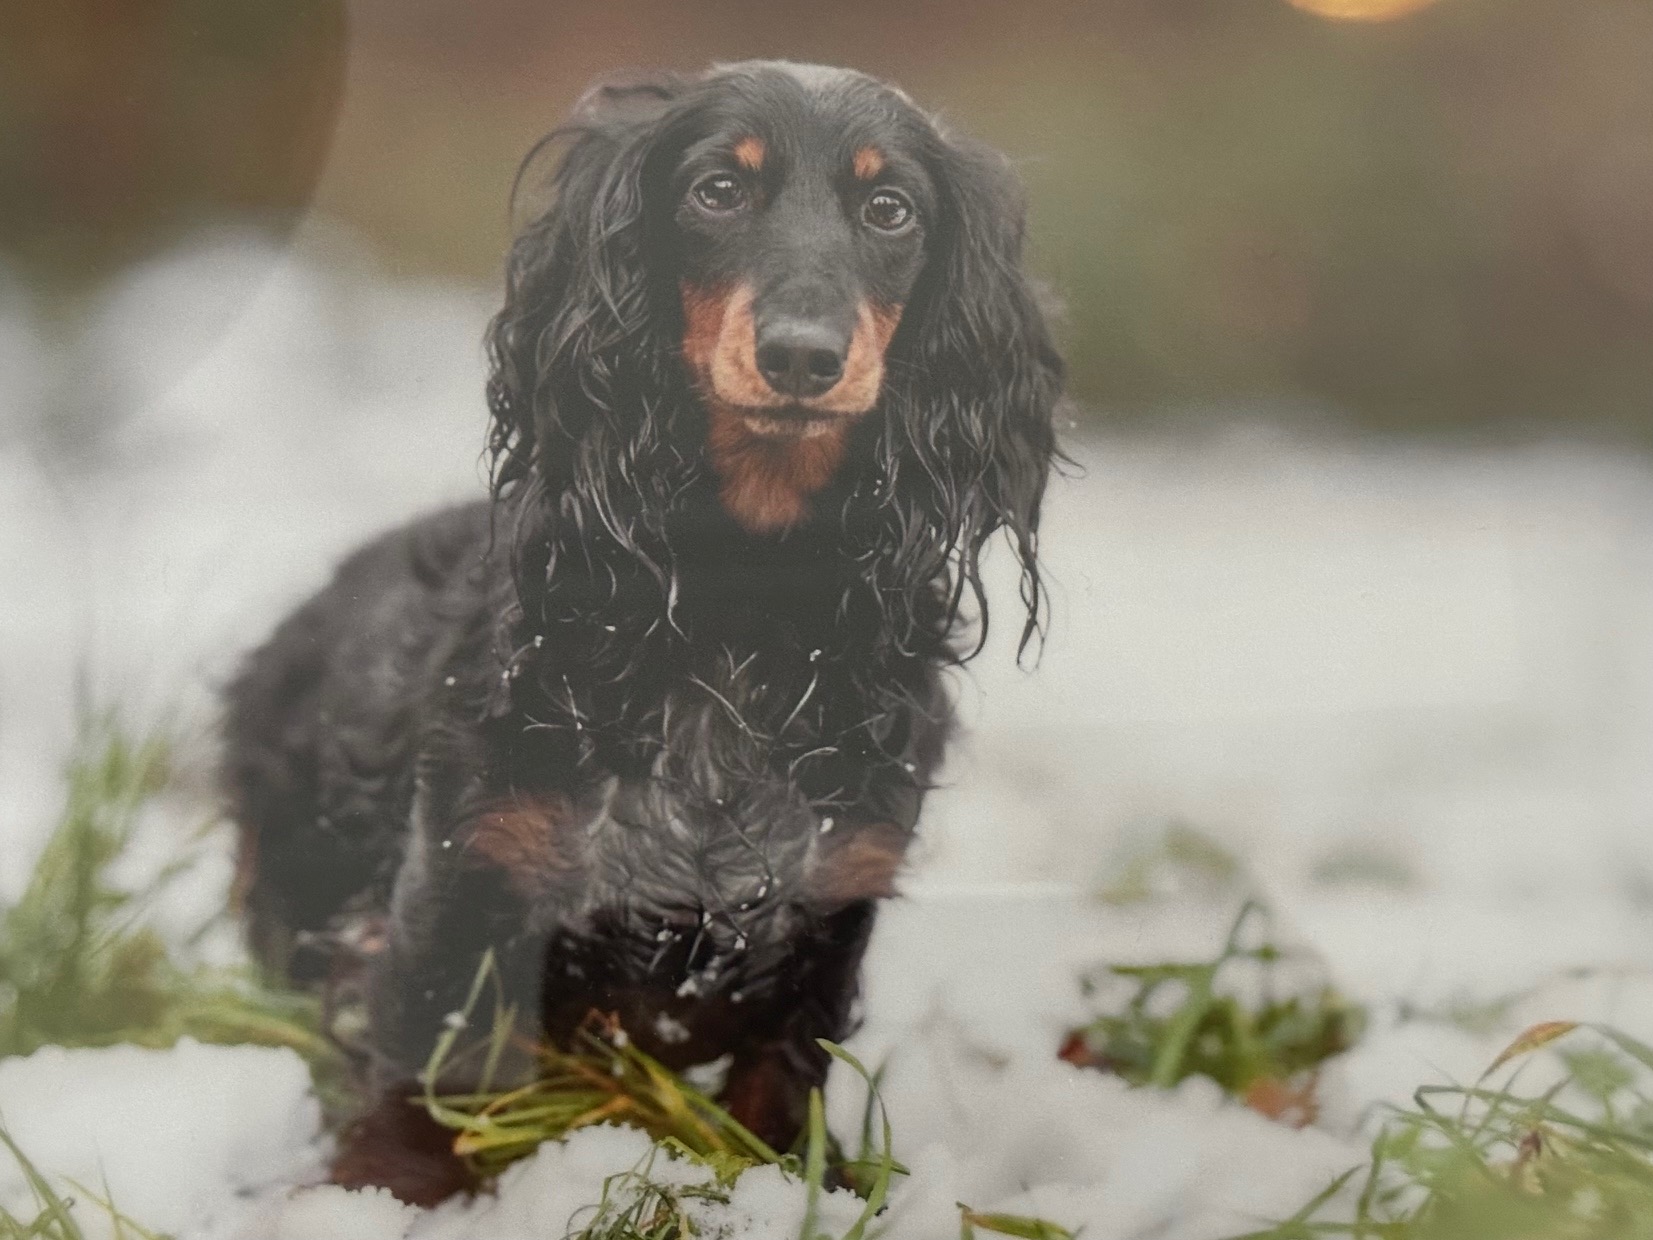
(453, 904)
(771, 1077)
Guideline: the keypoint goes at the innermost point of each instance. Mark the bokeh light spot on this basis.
(1361, 10)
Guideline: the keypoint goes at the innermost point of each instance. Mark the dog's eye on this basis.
(719, 193)
(888, 210)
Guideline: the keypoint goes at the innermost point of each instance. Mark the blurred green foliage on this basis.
(1178, 1022)
(79, 963)
(1483, 1163)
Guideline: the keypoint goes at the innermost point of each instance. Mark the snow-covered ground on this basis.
(1411, 688)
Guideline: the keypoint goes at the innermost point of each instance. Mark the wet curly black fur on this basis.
(659, 763)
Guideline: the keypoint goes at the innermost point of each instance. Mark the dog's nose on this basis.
(801, 358)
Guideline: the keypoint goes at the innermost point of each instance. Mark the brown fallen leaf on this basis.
(1292, 1103)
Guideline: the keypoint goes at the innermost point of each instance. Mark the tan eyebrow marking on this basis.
(749, 152)
(868, 163)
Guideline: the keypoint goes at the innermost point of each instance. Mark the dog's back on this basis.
(320, 727)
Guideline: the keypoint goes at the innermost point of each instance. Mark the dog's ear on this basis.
(975, 383)
(576, 341)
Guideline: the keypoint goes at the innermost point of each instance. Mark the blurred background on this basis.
(1359, 311)
(1435, 219)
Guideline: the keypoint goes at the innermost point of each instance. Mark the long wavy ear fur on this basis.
(579, 347)
(975, 378)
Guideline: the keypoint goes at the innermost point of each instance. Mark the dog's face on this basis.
(800, 212)
(800, 222)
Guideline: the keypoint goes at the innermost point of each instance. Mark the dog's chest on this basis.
(717, 820)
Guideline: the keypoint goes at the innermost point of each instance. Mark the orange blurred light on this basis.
(1361, 10)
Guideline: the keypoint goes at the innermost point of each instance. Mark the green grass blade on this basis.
(886, 1164)
(814, 1167)
(54, 1209)
(1024, 1226)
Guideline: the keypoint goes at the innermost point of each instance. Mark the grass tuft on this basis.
(78, 965)
(1478, 1163)
(635, 1205)
(71, 970)
(602, 1077)
(1264, 1050)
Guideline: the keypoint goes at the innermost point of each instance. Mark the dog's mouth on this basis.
(788, 422)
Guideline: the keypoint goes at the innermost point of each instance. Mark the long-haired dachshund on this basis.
(654, 724)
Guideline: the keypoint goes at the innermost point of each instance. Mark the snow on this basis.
(172, 1137)
(327, 1212)
(1411, 688)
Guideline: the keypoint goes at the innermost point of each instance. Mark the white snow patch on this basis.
(176, 1135)
(670, 1030)
(557, 1189)
(328, 1212)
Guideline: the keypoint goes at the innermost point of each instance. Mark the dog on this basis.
(653, 725)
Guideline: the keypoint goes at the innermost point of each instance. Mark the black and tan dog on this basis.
(655, 723)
